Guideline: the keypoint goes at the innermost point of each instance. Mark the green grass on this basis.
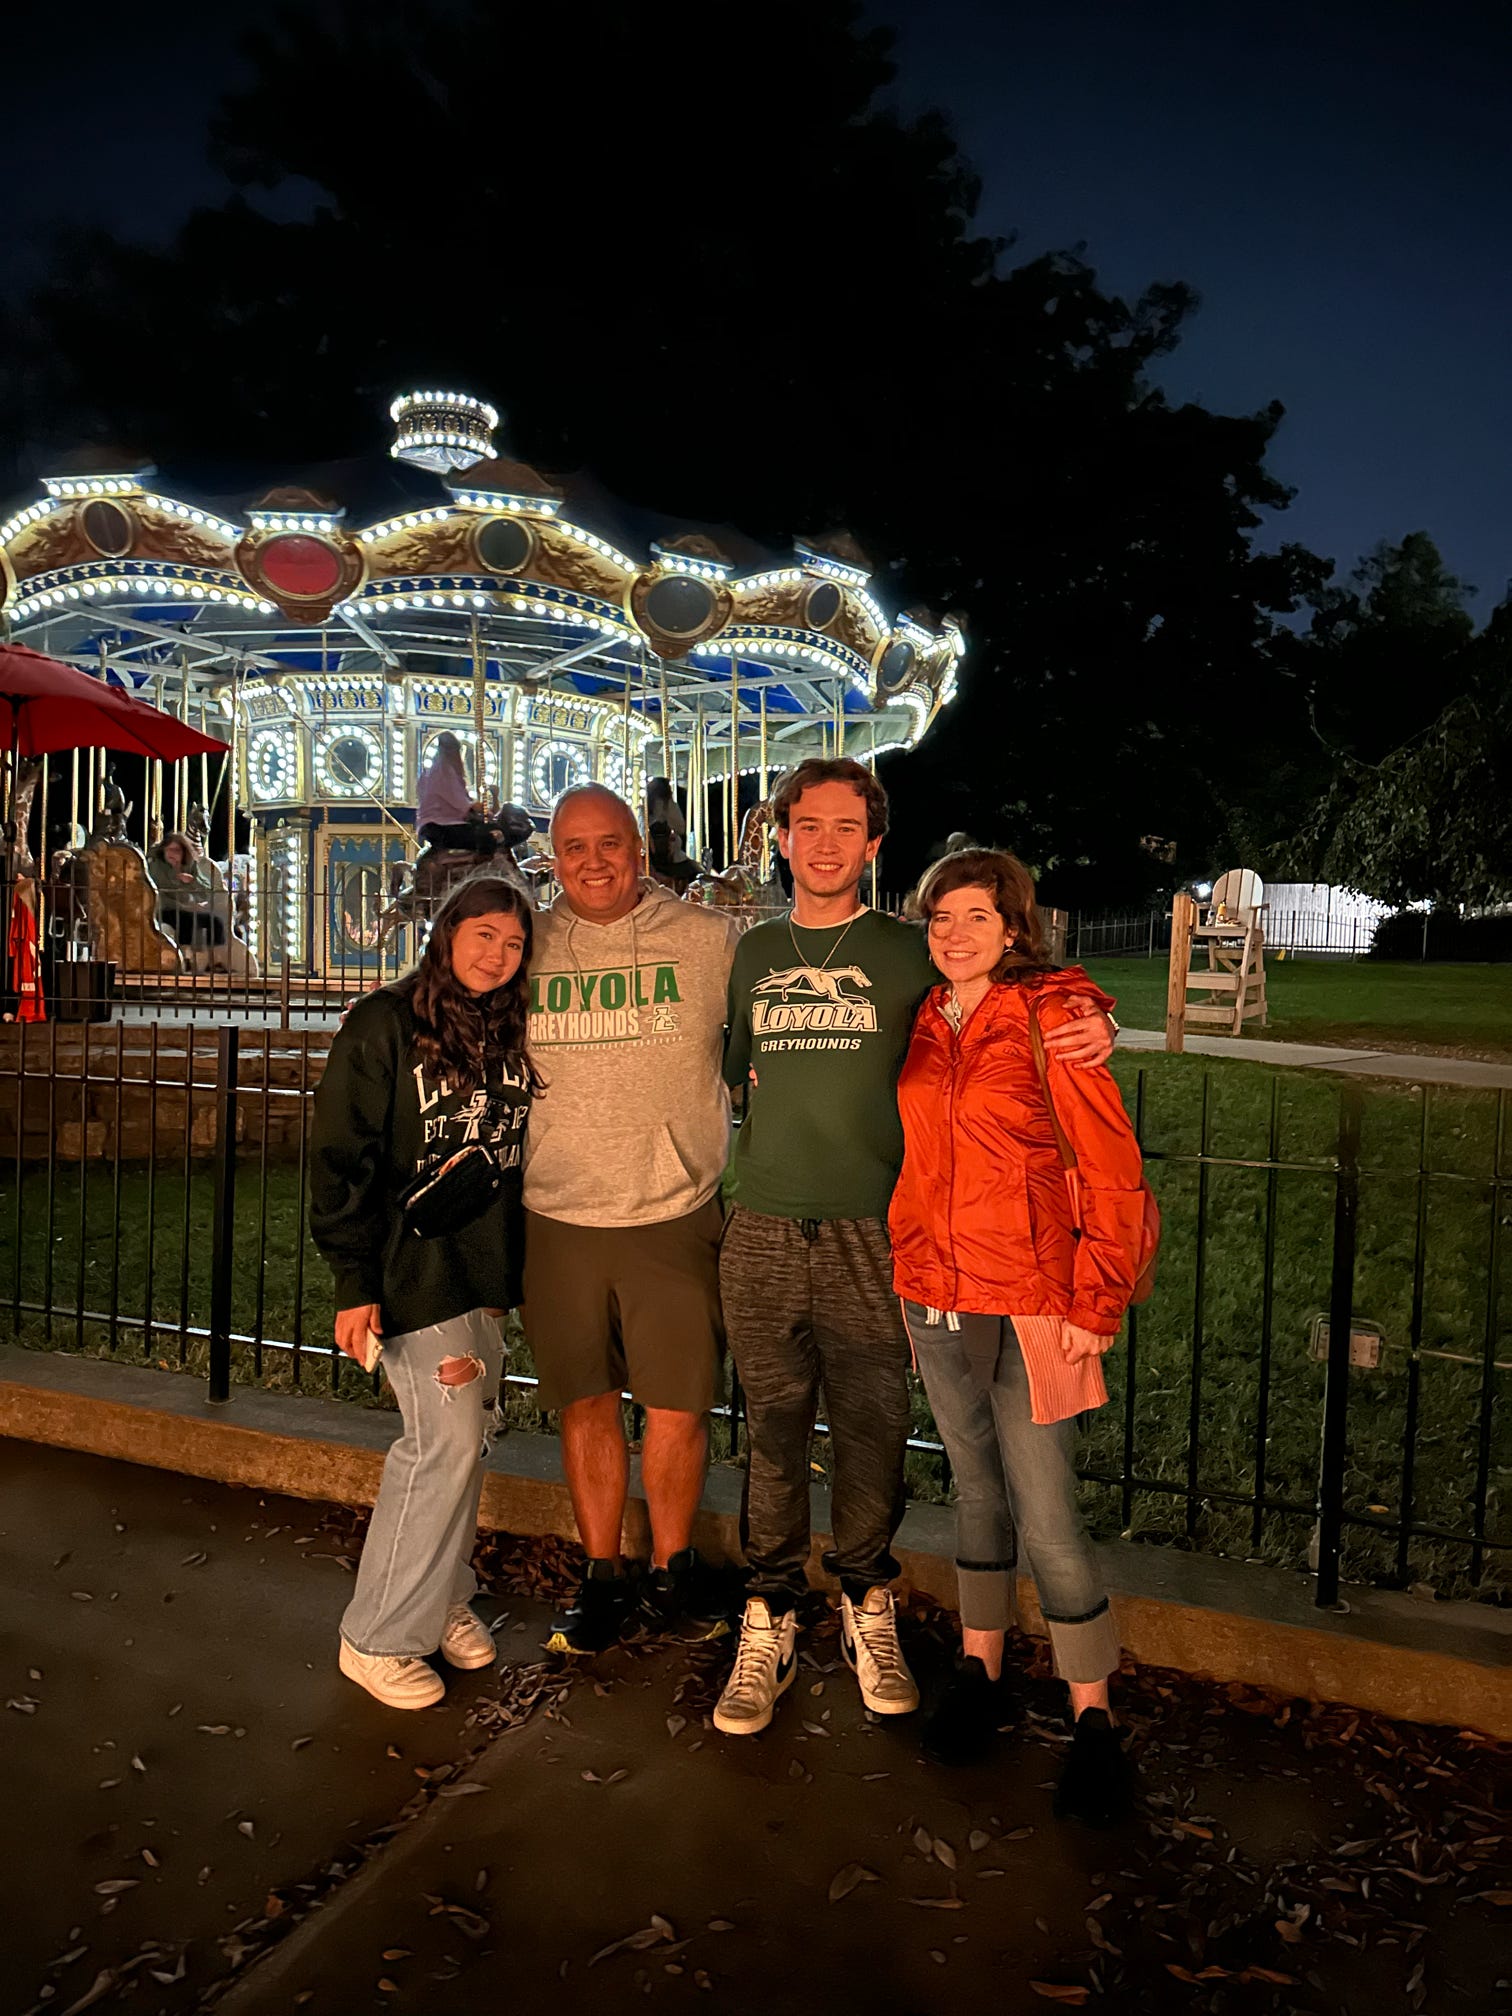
(1454, 1011)
(287, 1294)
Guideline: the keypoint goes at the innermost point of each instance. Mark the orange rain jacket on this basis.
(982, 1218)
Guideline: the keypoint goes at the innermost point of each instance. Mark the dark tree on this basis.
(699, 255)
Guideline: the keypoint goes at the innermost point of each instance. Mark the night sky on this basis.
(1335, 179)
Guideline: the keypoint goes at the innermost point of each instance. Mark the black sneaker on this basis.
(1097, 1779)
(688, 1597)
(967, 1715)
(597, 1620)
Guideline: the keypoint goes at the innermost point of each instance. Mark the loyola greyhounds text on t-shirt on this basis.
(823, 1019)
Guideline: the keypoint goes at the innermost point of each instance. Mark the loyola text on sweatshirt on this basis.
(627, 1030)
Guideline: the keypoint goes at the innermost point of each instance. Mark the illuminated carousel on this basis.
(481, 597)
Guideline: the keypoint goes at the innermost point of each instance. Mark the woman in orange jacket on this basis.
(1014, 1279)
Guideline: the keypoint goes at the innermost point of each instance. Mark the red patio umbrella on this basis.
(45, 707)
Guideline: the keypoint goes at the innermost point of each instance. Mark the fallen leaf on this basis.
(150, 1859)
(214, 1728)
(939, 1903)
(137, 1764)
(1061, 1991)
(116, 1885)
(977, 1840)
(245, 1827)
(1268, 1974)
(461, 1791)
(923, 1840)
(104, 1981)
(850, 1878)
(396, 1953)
(676, 1725)
(945, 1854)
(387, 1987)
(815, 1729)
(300, 1742)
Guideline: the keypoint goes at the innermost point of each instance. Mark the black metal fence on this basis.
(1320, 1380)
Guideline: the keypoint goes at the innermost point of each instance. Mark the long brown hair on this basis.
(1010, 885)
(458, 1035)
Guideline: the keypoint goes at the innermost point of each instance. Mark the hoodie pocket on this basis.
(620, 1176)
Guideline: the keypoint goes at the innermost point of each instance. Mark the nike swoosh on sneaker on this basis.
(785, 1666)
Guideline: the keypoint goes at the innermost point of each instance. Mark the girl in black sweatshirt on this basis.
(418, 1071)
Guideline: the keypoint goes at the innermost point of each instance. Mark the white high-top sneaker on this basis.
(466, 1640)
(765, 1661)
(396, 1682)
(869, 1643)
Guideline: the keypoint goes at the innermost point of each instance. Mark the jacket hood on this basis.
(653, 897)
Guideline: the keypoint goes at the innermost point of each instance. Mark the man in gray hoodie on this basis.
(626, 1149)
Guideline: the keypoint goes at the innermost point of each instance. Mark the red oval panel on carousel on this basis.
(295, 564)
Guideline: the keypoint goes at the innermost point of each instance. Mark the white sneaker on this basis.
(466, 1640)
(765, 1661)
(869, 1642)
(396, 1682)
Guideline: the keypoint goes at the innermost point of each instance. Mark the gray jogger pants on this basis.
(808, 1305)
(416, 1560)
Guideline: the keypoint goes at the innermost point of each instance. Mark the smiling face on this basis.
(967, 935)
(824, 841)
(598, 855)
(174, 854)
(486, 951)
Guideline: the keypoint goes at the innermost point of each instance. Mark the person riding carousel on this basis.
(447, 814)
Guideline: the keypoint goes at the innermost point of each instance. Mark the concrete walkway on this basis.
(201, 1813)
(1470, 1071)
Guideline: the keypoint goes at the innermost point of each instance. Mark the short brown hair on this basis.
(813, 770)
(1010, 885)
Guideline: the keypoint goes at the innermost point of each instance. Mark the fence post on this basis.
(1340, 1324)
(223, 1220)
(1183, 918)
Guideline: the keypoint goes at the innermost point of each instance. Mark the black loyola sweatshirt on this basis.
(379, 1121)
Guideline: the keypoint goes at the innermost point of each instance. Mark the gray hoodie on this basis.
(627, 1029)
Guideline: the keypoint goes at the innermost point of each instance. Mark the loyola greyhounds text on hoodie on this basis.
(627, 1029)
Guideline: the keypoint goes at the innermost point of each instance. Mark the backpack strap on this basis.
(1037, 1046)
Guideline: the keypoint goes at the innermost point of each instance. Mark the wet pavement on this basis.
(584, 1839)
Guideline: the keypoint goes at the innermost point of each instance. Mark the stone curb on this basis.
(1420, 1661)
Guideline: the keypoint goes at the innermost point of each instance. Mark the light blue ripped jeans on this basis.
(417, 1559)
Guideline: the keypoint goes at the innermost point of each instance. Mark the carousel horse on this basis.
(417, 888)
(742, 886)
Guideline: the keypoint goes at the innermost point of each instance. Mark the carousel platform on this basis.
(138, 1087)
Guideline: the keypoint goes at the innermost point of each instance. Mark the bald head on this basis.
(604, 804)
(597, 845)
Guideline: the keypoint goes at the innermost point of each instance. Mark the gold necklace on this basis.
(797, 952)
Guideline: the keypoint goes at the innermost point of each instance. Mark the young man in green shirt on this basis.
(821, 1008)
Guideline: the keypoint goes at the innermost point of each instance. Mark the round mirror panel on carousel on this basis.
(503, 546)
(109, 528)
(680, 606)
(822, 605)
(895, 667)
(270, 764)
(557, 767)
(348, 762)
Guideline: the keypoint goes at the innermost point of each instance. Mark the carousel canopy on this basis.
(336, 621)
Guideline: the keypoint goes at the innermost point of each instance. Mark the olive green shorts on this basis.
(611, 1308)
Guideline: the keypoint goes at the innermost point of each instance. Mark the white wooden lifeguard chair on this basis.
(1229, 988)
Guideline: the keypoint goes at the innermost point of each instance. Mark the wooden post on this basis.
(1183, 918)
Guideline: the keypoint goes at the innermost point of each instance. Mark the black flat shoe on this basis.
(967, 1715)
(1097, 1779)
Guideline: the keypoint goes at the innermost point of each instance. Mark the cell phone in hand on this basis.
(372, 1351)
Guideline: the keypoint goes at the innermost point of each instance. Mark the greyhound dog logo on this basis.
(811, 999)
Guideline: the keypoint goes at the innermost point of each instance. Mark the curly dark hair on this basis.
(458, 1035)
(792, 784)
(1010, 885)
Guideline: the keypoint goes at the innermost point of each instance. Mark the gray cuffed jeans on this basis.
(417, 1559)
(1013, 1476)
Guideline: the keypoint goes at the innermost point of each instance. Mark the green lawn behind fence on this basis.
(1451, 1011)
(282, 1290)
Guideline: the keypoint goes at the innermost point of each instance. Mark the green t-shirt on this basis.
(823, 1017)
